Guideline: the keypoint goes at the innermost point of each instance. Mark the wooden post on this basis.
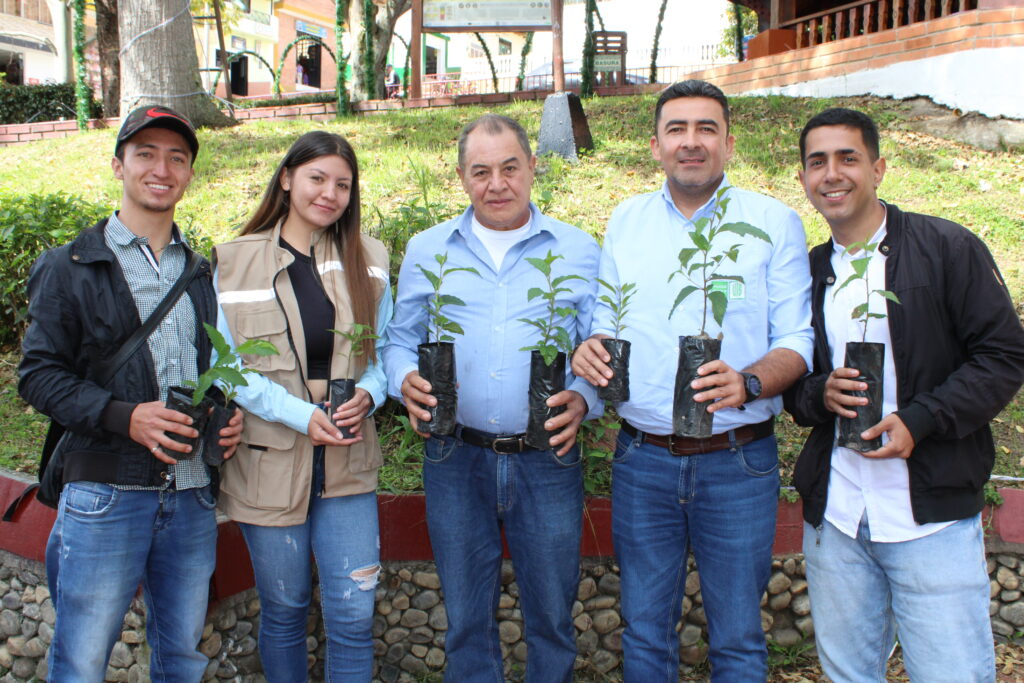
(557, 59)
(826, 31)
(223, 51)
(866, 19)
(416, 45)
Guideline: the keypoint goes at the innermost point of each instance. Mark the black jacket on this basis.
(81, 310)
(958, 348)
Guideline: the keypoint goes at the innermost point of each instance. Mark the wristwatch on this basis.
(752, 384)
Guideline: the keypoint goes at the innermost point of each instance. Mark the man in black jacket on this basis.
(893, 539)
(136, 505)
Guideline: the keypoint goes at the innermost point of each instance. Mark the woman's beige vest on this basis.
(267, 482)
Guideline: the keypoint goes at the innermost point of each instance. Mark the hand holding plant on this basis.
(699, 266)
(343, 390)
(868, 358)
(547, 360)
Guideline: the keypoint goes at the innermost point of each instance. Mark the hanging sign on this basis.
(481, 15)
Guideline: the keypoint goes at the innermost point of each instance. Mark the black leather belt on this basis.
(679, 445)
(502, 444)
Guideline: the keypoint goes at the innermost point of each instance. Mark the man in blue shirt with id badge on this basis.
(716, 496)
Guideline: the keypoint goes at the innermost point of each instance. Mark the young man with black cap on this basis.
(135, 504)
(893, 537)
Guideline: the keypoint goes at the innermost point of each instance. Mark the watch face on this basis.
(752, 385)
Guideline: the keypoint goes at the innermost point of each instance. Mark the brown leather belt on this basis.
(679, 445)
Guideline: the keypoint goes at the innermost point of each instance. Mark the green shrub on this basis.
(30, 224)
(50, 102)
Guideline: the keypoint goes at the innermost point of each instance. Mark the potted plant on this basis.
(699, 265)
(618, 300)
(867, 357)
(547, 356)
(195, 398)
(341, 390)
(437, 357)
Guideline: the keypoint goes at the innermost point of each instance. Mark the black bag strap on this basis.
(55, 433)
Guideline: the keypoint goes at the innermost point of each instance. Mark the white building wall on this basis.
(972, 80)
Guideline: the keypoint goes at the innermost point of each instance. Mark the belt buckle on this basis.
(512, 443)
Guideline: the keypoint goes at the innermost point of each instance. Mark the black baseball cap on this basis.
(162, 117)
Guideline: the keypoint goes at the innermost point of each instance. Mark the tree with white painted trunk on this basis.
(159, 63)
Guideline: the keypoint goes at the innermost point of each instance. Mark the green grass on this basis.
(982, 190)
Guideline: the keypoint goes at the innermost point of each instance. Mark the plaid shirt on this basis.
(173, 342)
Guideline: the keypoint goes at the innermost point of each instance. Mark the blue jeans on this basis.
(537, 498)
(343, 535)
(103, 544)
(933, 591)
(722, 505)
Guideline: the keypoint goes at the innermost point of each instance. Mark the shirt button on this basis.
(497, 328)
(493, 421)
(165, 475)
(830, 280)
(494, 375)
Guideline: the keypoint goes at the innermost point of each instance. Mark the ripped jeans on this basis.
(342, 534)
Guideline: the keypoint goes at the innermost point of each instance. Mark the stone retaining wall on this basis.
(410, 621)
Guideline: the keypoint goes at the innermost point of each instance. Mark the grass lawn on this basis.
(407, 160)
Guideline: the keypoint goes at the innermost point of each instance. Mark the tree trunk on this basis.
(110, 65)
(159, 63)
(383, 29)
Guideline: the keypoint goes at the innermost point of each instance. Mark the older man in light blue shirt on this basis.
(484, 478)
(717, 496)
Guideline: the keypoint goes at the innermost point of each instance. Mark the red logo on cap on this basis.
(154, 113)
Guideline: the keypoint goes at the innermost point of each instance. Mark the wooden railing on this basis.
(869, 16)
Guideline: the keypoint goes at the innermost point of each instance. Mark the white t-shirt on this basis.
(498, 242)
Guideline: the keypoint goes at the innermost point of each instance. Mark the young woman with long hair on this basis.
(299, 270)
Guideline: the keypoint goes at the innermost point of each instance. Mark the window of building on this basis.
(504, 46)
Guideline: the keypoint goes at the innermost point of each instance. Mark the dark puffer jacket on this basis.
(958, 347)
(81, 311)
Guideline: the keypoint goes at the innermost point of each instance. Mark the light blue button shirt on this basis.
(272, 402)
(493, 374)
(771, 310)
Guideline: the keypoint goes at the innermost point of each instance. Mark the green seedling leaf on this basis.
(565, 278)
(227, 375)
(434, 280)
(533, 293)
(685, 255)
(700, 241)
(217, 340)
(683, 293)
(746, 230)
(719, 303)
(548, 353)
(448, 300)
(542, 265)
(888, 295)
(257, 347)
